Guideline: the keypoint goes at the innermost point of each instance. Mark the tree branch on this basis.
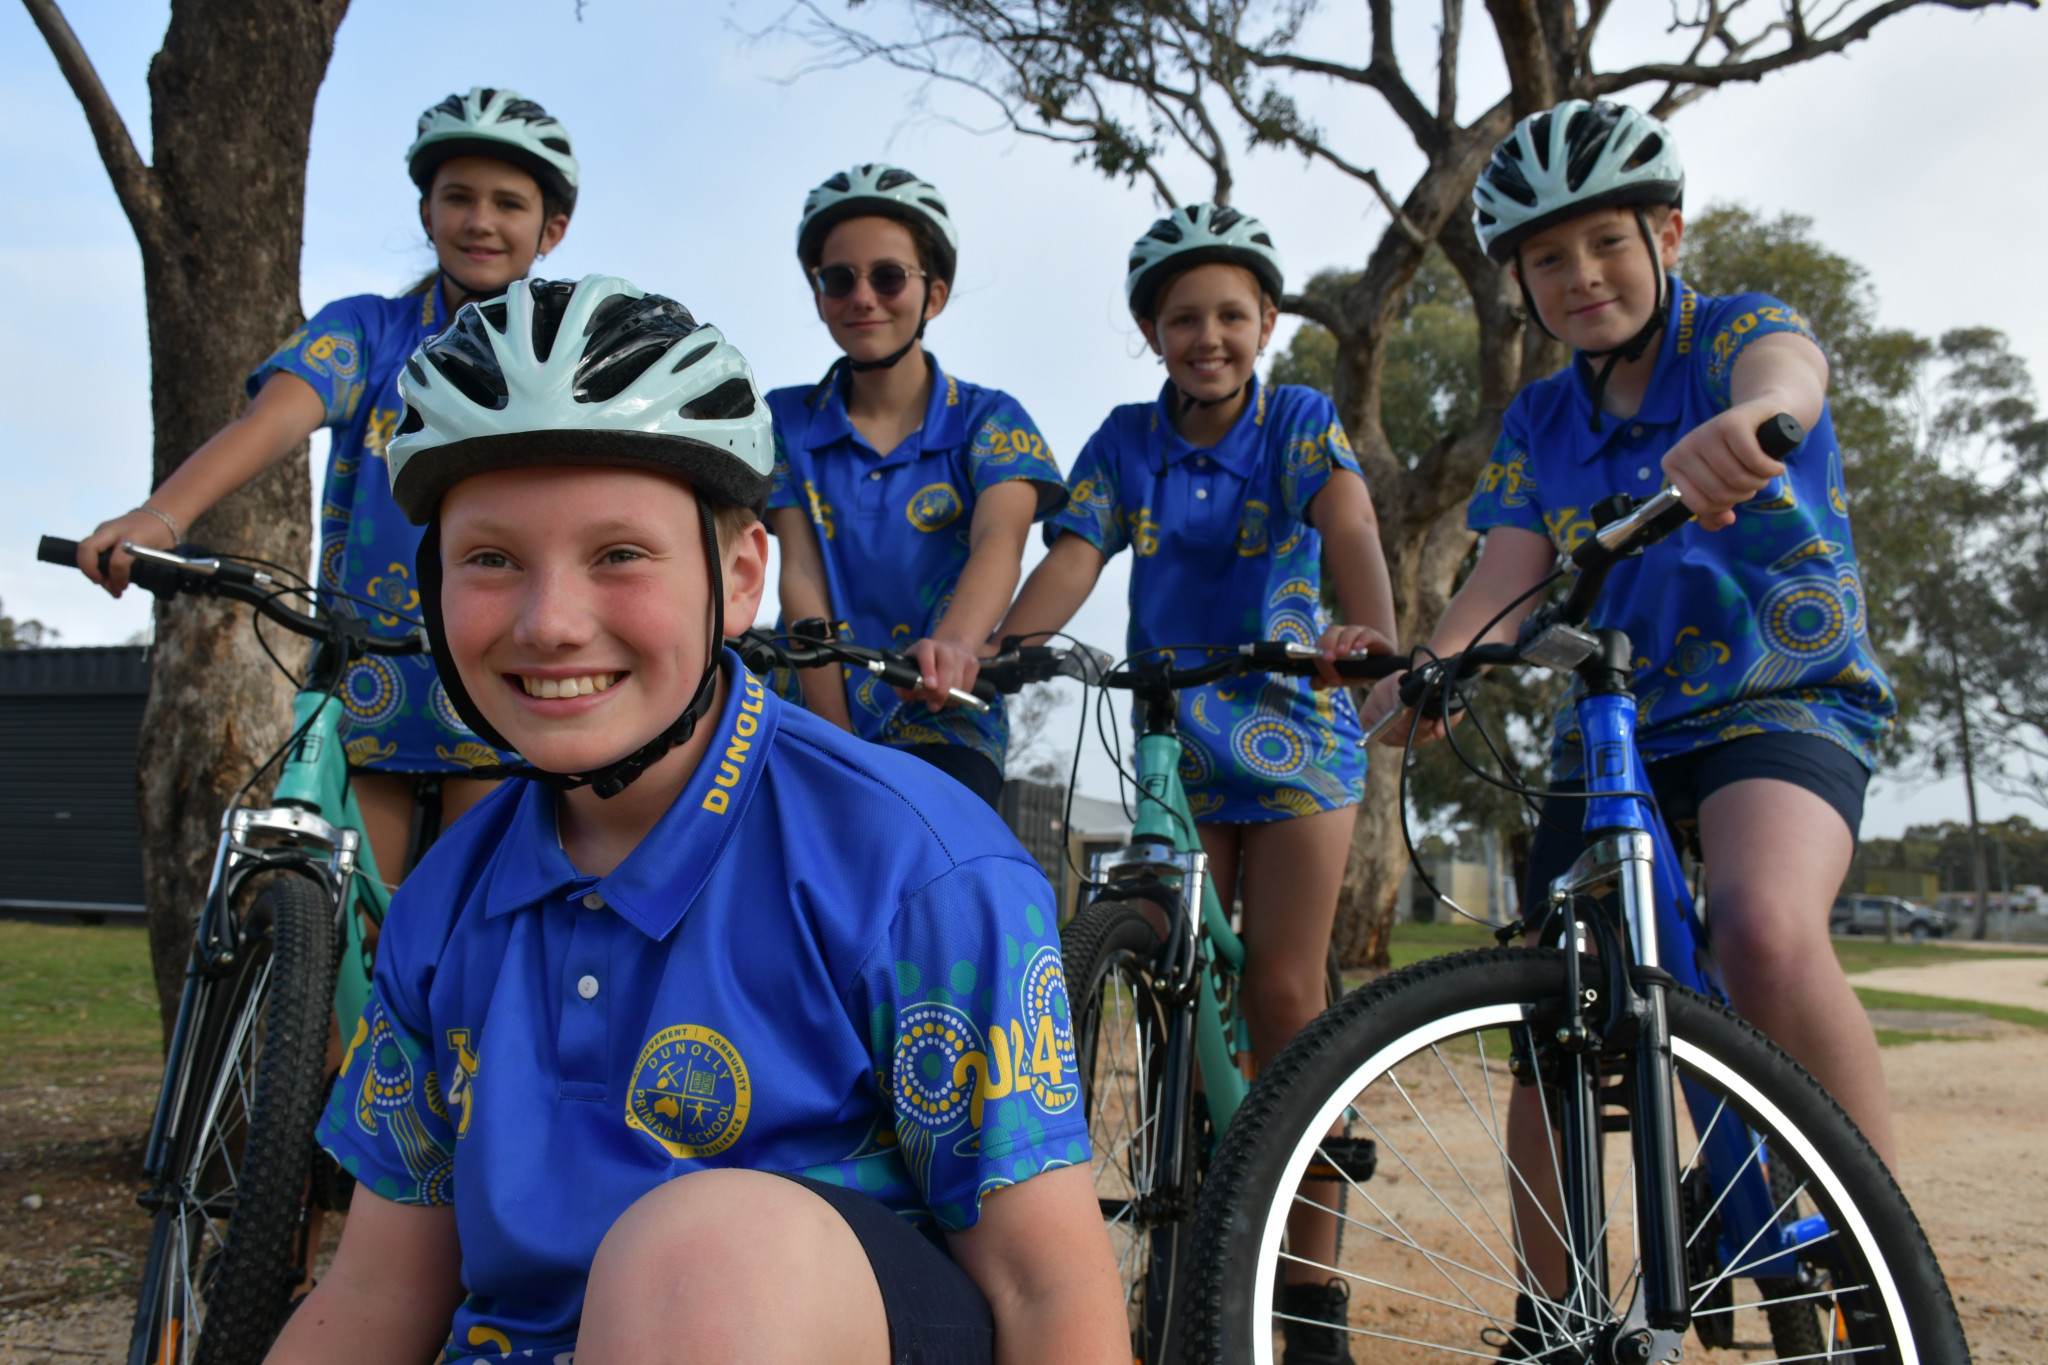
(134, 183)
(1387, 80)
(1447, 62)
(1711, 75)
(1320, 311)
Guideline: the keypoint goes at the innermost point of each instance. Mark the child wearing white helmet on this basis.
(1231, 495)
(1760, 702)
(497, 181)
(903, 495)
(665, 1057)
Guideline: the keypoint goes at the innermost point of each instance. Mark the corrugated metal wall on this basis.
(69, 834)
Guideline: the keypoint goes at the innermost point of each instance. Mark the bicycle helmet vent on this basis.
(1199, 234)
(569, 372)
(495, 123)
(1580, 156)
(885, 191)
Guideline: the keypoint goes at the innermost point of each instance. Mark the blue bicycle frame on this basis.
(1628, 842)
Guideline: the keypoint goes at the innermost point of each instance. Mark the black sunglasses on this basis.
(887, 279)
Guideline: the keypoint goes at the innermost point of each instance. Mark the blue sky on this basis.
(1917, 155)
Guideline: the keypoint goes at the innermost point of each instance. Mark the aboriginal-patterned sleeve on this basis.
(966, 1014)
(1007, 446)
(1734, 323)
(782, 490)
(1093, 509)
(328, 354)
(1506, 493)
(387, 1120)
(1313, 446)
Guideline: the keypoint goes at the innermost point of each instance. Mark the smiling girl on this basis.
(903, 495)
(497, 182)
(1231, 496)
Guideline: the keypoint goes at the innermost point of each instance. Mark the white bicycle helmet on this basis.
(1582, 155)
(589, 371)
(879, 189)
(1199, 234)
(495, 123)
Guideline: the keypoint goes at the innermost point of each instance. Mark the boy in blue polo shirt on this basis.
(902, 495)
(1759, 699)
(666, 1057)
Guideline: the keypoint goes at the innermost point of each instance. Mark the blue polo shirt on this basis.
(763, 983)
(397, 717)
(1222, 553)
(1754, 628)
(893, 528)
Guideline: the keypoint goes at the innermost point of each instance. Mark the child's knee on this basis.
(711, 1218)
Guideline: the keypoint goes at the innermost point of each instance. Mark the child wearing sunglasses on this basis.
(1231, 497)
(902, 496)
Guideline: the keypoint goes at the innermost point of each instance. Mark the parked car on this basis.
(1866, 915)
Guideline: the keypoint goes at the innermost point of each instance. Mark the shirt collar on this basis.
(660, 878)
(945, 417)
(1664, 403)
(1237, 452)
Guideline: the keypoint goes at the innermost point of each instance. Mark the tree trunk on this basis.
(218, 218)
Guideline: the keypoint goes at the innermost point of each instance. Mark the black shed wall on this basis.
(70, 838)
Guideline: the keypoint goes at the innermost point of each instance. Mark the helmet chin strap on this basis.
(1631, 350)
(614, 777)
(475, 295)
(889, 361)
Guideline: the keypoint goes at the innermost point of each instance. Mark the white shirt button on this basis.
(1201, 492)
(587, 988)
(593, 901)
(1642, 473)
(1636, 432)
(875, 475)
(1202, 460)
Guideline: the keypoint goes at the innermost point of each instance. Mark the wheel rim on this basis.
(1430, 1246)
(203, 1200)
(1118, 1078)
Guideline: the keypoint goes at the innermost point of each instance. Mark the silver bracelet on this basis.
(177, 536)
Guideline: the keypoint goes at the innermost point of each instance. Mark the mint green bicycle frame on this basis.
(1163, 817)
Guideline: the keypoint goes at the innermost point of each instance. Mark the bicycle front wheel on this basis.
(1422, 1064)
(227, 1249)
(1121, 1025)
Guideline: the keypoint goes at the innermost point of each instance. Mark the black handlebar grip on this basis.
(161, 579)
(985, 690)
(55, 550)
(1780, 436)
(1371, 665)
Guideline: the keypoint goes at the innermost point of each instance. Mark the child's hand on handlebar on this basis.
(1721, 463)
(137, 526)
(944, 664)
(1384, 700)
(1339, 641)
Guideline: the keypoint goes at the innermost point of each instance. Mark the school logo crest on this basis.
(933, 506)
(690, 1092)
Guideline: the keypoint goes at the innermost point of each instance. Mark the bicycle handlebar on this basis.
(762, 650)
(166, 573)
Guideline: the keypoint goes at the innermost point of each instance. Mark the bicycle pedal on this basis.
(1349, 1158)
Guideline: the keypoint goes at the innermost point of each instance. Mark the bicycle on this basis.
(237, 1186)
(1648, 1210)
(1153, 965)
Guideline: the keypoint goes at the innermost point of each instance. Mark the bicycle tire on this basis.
(1433, 1040)
(1120, 1030)
(223, 1255)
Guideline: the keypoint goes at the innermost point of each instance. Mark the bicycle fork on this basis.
(1621, 1020)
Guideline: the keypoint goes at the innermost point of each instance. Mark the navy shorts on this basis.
(971, 770)
(937, 1315)
(1683, 782)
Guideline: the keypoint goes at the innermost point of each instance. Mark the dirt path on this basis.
(2019, 980)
